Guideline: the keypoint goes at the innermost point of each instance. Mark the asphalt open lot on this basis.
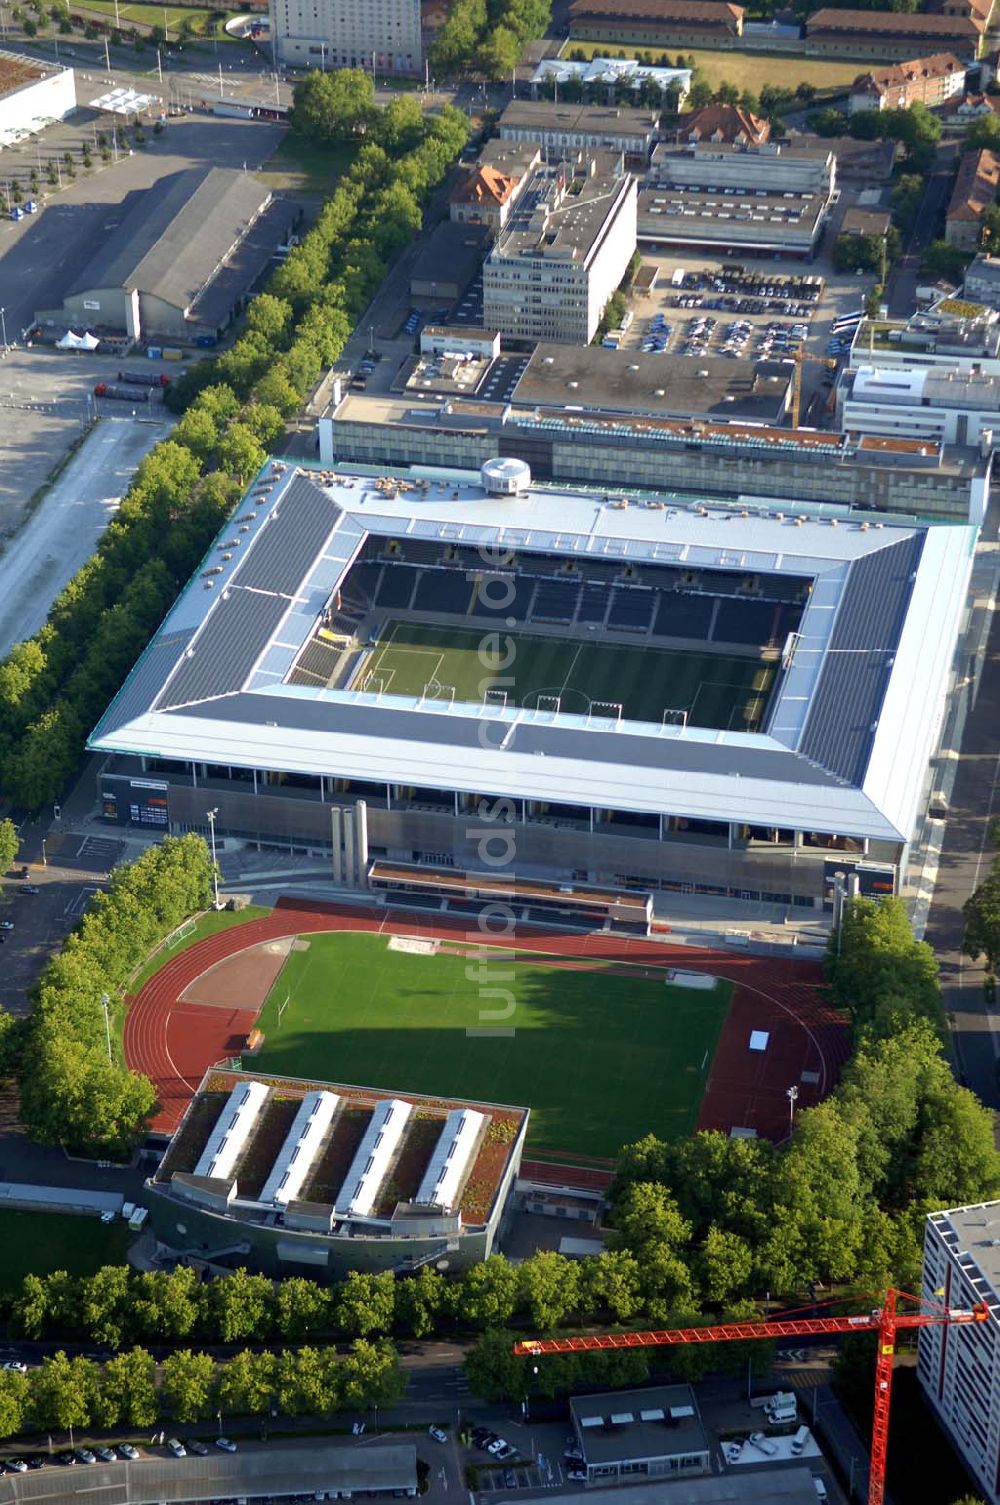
(43, 394)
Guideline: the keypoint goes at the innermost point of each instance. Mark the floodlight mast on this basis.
(884, 1320)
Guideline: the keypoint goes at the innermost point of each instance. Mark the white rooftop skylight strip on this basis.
(450, 1160)
(298, 1153)
(236, 1123)
(359, 1192)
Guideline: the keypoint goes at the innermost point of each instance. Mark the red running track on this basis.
(175, 1043)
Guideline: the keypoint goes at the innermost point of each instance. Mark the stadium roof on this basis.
(849, 732)
(173, 239)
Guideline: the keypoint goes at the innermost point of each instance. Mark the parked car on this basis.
(509, 1478)
(106, 1455)
(127, 1451)
(438, 1434)
(67, 1459)
(6, 924)
(577, 1475)
(225, 1444)
(16, 1466)
(176, 1447)
(29, 888)
(506, 1452)
(198, 1448)
(36, 1460)
(86, 1456)
(15, 1366)
(495, 1446)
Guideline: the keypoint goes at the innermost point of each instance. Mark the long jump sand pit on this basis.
(242, 981)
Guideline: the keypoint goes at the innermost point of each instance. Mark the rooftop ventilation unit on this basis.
(508, 477)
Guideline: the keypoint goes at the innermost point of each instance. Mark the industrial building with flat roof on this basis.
(748, 702)
(334, 1177)
(689, 455)
(656, 1432)
(630, 382)
(182, 259)
(572, 128)
(564, 251)
(950, 407)
(279, 1469)
(33, 94)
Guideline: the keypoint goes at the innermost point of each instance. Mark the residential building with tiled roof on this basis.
(975, 191)
(725, 125)
(928, 81)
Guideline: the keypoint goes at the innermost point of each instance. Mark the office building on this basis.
(948, 407)
(571, 129)
(564, 251)
(383, 35)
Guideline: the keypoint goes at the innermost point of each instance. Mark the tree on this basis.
(549, 1288)
(104, 1305)
(944, 260)
(875, 968)
(13, 1403)
(126, 1392)
(62, 1392)
(187, 1381)
(246, 1383)
(366, 1303)
(240, 1306)
(907, 194)
(333, 106)
(10, 840)
(493, 1371)
(611, 1282)
(240, 452)
(981, 912)
(420, 1301)
(300, 1307)
(724, 1264)
(488, 1296)
(984, 132)
(165, 1303)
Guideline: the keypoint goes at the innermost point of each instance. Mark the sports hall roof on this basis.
(849, 733)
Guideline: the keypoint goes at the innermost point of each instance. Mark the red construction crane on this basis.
(884, 1320)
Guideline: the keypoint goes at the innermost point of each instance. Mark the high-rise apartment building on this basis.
(959, 1367)
(384, 34)
(563, 252)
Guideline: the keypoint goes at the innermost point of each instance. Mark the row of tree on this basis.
(74, 1091)
(982, 918)
(130, 1390)
(487, 36)
(54, 686)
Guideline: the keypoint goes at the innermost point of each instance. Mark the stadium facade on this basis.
(636, 693)
(282, 1173)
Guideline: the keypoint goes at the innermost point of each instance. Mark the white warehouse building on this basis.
(951, 407)
(32, 95)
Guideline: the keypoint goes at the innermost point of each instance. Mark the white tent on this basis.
(71, 341)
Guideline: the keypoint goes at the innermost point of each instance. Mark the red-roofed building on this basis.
(725, 125)
(975, 191)
(928, 81)
(656, 23)
(883, 35)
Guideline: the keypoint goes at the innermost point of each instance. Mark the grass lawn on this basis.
(208, 924)
(307, 166)
(601, 1058)
(152, 15)
(36, 1243)
(749, 70)
(714, 689)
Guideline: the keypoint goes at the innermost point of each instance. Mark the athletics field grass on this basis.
(714, 690)
(601, 1057)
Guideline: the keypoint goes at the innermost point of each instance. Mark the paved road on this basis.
(965, 857)
(62, 533)
(903, 279)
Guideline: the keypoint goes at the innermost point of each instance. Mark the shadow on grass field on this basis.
(307, 166)
(36, 1243)
(600, 1056)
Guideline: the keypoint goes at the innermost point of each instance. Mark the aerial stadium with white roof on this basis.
(642, 692)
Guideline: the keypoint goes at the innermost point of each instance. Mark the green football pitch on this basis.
(600, 1057)
(714, 690)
